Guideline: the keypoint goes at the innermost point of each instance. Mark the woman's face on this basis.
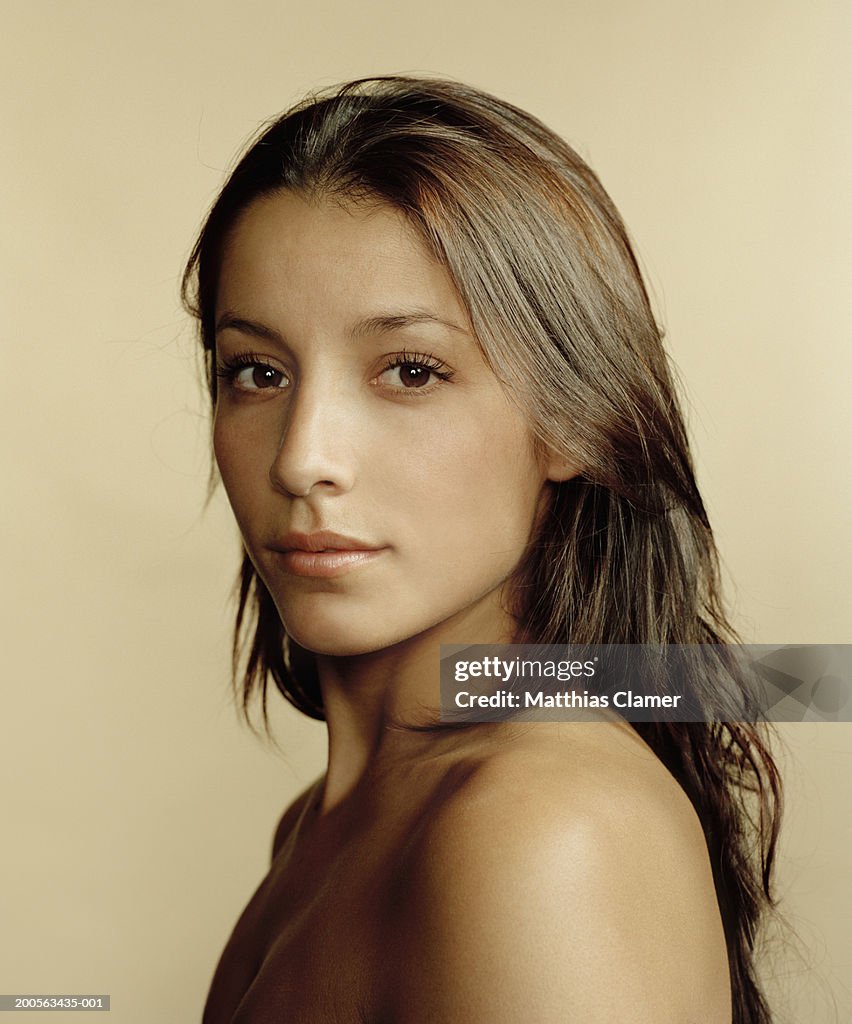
(354, 400)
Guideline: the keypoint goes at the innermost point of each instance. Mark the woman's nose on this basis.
(314, 451)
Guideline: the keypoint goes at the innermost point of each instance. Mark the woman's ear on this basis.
(560, 468)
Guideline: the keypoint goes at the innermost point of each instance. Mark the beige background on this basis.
(137, 813)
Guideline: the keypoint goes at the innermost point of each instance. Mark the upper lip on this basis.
(322, 540)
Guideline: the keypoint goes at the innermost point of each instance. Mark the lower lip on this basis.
(326, 564)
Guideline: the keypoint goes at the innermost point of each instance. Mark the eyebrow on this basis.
(230, 321)
(386, 322)
(382, 323)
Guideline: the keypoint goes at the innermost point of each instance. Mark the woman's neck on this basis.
(368, 697)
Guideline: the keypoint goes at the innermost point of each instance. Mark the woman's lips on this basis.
(323, 553)
(334, 562)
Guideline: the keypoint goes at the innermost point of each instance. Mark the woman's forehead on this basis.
(286, 248)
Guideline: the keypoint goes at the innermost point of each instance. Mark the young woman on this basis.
(443, 414)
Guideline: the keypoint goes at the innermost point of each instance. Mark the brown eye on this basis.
(247, 374)
(413, 376)
(261, 377)
(411, 371)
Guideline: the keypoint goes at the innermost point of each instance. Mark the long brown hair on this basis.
(544, 266)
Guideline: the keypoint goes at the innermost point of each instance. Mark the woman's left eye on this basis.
(414, 372)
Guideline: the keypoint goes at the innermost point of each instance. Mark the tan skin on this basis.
(496, 874)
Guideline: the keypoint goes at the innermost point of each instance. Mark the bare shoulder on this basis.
(564, 878)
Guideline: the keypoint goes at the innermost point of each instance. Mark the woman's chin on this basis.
(336, 640)
(348, 639)
(334, 647)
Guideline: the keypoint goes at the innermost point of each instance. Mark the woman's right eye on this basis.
(250, 374)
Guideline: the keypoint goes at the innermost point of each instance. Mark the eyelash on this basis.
(229, 369)
(426, 361)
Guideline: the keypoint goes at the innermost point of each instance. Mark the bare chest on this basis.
(308, 946)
